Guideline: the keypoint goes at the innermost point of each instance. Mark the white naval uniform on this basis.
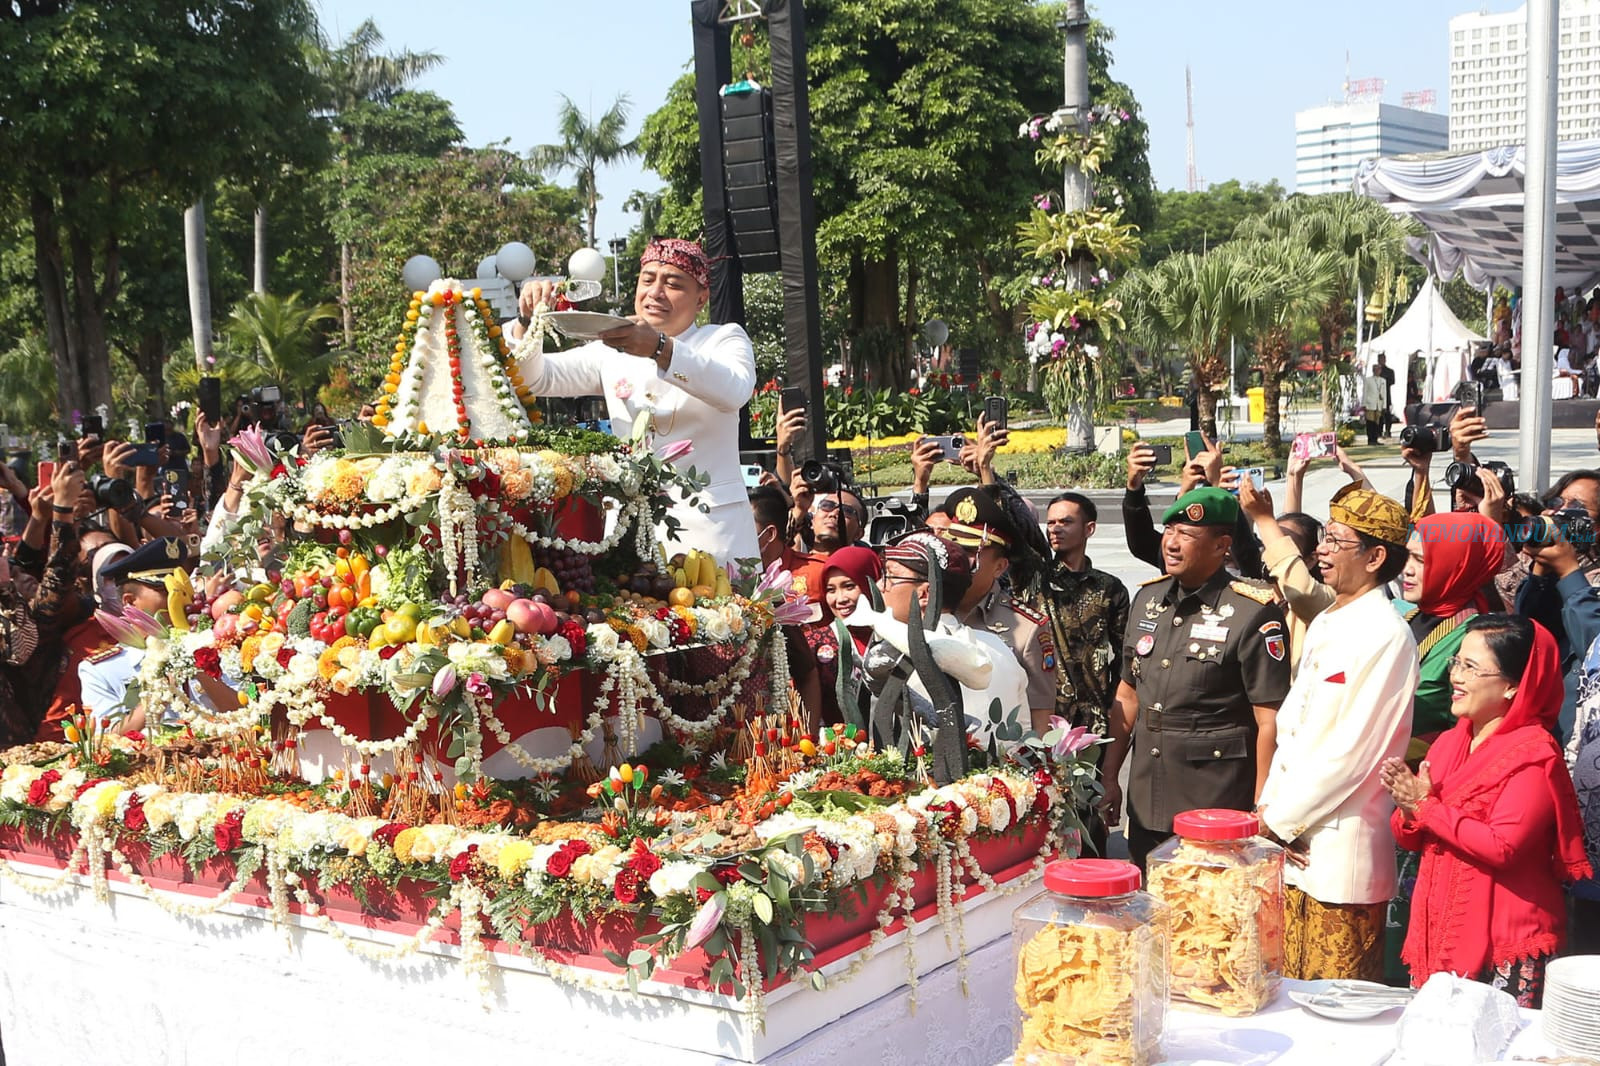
(1348, 710)
(697, 398)
(104, 679)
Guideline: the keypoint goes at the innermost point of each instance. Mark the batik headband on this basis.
(687, 256)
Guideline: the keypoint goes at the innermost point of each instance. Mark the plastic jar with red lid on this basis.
(1091, 982)
(1224, 885)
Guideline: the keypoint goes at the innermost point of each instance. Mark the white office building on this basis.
(1329, 141)
(1489, 76)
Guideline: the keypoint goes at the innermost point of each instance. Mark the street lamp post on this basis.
(618, 245)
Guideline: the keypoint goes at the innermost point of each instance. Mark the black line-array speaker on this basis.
(750, 176)
(968, 365)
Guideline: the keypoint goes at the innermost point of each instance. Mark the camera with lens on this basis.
(823, 476)
(1464, 476)
(1427, 439)
(891, 516)
(262, 404)
(111, 492)
(282, 442)
(1571, 524)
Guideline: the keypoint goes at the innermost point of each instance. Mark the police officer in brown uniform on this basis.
(1205, 666)
(991, 536)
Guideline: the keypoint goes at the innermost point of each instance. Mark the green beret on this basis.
(1204, 506)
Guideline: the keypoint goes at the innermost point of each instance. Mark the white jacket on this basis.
(1348, 710)
(712, 375)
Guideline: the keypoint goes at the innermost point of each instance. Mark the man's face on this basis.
(903, 590)
(1194, 553)
(1345, 564)
(836, 520)
(938, 522)
(668, 298)
(148, 598)
(1065, 527)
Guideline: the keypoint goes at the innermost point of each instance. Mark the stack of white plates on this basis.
(1572, 1004)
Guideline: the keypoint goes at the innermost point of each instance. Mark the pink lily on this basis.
(795, 612)
(1069, 740)
(774, 579)
(676, 450)
(251, 446)
(120, 629)
(443, 682)
(705, 922)
(478, 685)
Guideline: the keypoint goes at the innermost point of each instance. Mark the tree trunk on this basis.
(61, 326)
(346, 312)
(150, 358)
(910, 328)
(260, 284)
(875, 308)
(1271, 389)
(194, 255)
(88, 305)
(1208, 410)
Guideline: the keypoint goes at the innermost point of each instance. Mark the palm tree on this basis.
(1200, 303)
(587, 145)
(354, 71)
(1294, 282)
(285, 336)
(1370, 244)
(29, 372)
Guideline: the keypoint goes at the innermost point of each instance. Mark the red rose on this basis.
(560, 864)
(576, 636)
(727, 875)
(461, 865)
(229, 832)
(133, 819)
(39, 791)
(285, 654)
(701, 894)
(388, 651)
(86, 786)
(385, 834)
(626, 886)
(642, 860)
(208, 662)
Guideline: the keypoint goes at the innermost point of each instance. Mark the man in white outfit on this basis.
(688, 380)
(1348, 710)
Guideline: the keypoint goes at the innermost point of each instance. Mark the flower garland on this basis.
(316, 519)
(458, 538)
(495, 358)
(632, 512)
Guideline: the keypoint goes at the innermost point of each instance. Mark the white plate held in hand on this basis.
(585, 325)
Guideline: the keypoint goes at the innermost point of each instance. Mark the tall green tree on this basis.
(355, 72)
(1294, 282)
(114, 108)
(1201, 303)
(1370, 245)
(586, 145)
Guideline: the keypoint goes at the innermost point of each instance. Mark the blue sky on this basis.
(1254, 63)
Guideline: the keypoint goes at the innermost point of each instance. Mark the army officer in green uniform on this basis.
(1205, 665)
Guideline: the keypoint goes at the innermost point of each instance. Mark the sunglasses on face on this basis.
(827, 506)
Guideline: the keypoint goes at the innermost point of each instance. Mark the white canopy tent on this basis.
(1429, 329)
(1471, 206)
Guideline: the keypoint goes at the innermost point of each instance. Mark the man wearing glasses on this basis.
(1349, 710)
(1204, 668)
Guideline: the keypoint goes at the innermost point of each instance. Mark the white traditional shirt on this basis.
(1348, 710)
(697, 399)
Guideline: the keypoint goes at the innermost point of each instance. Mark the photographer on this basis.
(1418, 445)
(1558, 591)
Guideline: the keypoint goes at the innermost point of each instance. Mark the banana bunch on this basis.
(700, 569)
(180, 594)
(516, 562)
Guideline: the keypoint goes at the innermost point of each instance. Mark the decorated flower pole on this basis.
(1067, 294)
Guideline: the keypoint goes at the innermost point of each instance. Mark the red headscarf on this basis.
(1461, 553)
(1467, 914)
(858, 563)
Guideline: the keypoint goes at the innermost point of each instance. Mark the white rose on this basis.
(603, 642)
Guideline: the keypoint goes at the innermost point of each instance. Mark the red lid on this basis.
(1091, 877)
(1216, 825)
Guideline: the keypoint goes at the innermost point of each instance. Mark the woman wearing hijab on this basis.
(1493, 813)
(1451, 557)
(846, 575)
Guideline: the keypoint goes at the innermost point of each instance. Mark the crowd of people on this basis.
(1409, 700)
(103, 528)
